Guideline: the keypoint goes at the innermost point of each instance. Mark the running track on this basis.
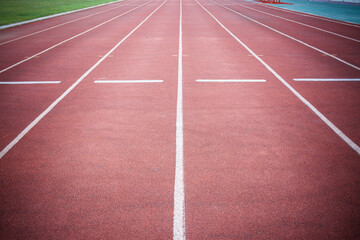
(180, 154)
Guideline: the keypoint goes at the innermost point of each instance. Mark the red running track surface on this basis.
(87, 160)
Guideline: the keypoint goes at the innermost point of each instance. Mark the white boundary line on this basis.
(327, 79)
(351, 24)
(293, 21)
(232, 80)
(179, 192)
(288, 36)
(43, 114)
(306, 102)
(62, 24)
(52, 16)
(58, 44)
(128, 81)
(30, 82)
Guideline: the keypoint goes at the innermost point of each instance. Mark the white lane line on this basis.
(306, 102)
(293, 21)
(52, 16)
(288, 36)
(327, 79)
(58, 44)
(128, 81)
(179, 192)
(43, 114)
(33, 82)
(62, 24)
(232, 80)
(311, 15)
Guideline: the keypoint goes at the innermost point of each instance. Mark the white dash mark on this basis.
(232, 80)
(327, 79)
(128, 81)
(36, 82)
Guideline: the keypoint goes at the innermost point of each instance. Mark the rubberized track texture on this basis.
(168, 119)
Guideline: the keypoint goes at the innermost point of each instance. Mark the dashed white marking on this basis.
(232, 80)
(306, 102)
(128, 81)
(179, 192)
(43, 114)
(29, 82)
(327, 79)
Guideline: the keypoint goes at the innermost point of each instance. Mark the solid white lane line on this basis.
(43, 114)
(179, 192)
(311, 16)
(128, 81)
(327, 79)
(62, 24)
(306, 102)
(30, 82)
(288, 36)
(232, 80)
(60, 43)
(300, 23)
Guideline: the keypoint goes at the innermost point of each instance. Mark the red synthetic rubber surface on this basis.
(293, 60)
(254, 168)
(258, 163)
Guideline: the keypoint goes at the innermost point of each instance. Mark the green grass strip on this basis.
(12, 11)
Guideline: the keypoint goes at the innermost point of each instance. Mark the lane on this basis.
(101, 163)
(11, 34)
(343, 50)
(351, 31)
(308, 15)
(274, 15)
(11, 38)
(26, 49)
(21, 104)
(258, 163)
(338, 101)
